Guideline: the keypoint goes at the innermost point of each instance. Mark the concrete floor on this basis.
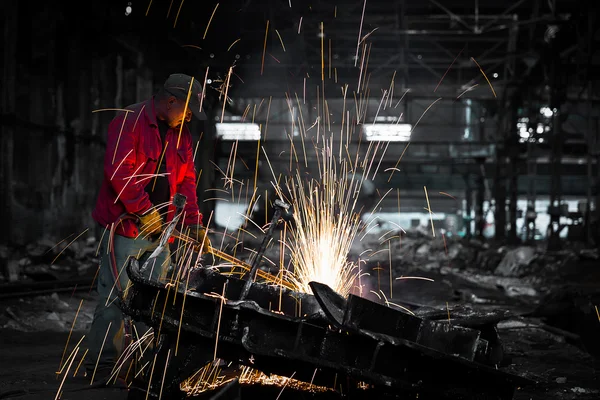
(31, 372)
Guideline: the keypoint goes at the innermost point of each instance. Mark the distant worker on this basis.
(530, 217)
(149, 158)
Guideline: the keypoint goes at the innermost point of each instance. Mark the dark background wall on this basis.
(64, 62)
(61, 68)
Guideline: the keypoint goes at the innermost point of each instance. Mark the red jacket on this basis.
(133, 150)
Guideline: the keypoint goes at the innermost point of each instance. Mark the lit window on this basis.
(547, 112)
(540, 128)
(388, 132)
(238, 131)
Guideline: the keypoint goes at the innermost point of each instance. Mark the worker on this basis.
(149, 157)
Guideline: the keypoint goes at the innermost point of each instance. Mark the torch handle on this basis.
(235, 261)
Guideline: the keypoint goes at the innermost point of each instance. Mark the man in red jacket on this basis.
(149, 157)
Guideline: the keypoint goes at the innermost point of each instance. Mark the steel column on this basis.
(8, 108)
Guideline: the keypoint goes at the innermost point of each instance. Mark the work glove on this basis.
(150, 222)
(198, 233)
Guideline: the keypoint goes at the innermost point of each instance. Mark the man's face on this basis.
(177, 113)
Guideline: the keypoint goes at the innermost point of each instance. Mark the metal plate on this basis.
(331, 302)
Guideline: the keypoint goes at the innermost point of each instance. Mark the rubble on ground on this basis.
(48, 260)
(29, 276)
(417, 249)
(48, 313)
(563, 371)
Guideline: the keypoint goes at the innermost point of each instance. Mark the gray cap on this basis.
(179, 85)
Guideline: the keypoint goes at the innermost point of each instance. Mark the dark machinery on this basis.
(323, 339)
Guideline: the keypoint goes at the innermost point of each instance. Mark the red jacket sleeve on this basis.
(120, 164)
(188, 188)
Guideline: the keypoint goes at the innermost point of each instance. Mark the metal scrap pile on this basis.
(321, 339)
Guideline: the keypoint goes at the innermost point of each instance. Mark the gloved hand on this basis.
(198, 233)
(150, 222)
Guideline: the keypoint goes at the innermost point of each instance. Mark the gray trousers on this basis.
(104, 353)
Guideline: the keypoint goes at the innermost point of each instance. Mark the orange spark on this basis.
(415, 277)
(267, 122)
(398, 162)
(203, 92)
(70, 332)
(178, 11)
(148, 9)
(447, 194)
(443, 76)
(80, 362)
(121, 163)
(151, 373)
(159, 163)
(430, 213)
(71, 242)
(281, 40)
(262, 65)
(65, 377)
(234, 42)
(119, 138)
(322, 57)
(211, 17)
(101, 348)
(222, 300)
(360, 32)
(138, 117)
(111, 109)
(286, 383)
(414, 127)
(164, 374)
(274, 58)
(226, 90)
(446, 248)
(467, 90)
(390, 261)
(485, 76)
(169, 10)
(56, 245)
(187, 102)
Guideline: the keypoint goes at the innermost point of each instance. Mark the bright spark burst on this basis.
(326, 225)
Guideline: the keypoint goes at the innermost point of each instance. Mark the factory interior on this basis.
(393, 199)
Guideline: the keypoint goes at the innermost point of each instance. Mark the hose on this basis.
(127, 324)
(113, 261)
